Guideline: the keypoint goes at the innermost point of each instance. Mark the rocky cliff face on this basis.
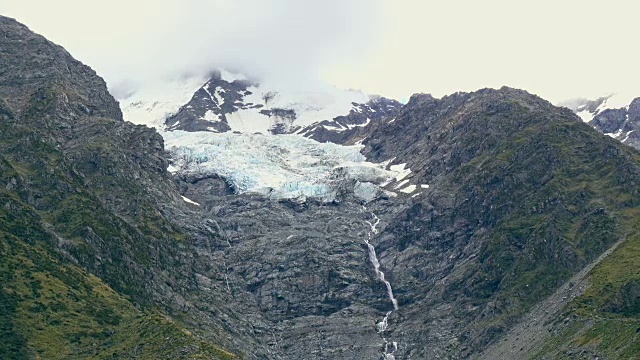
(208, 108)
(521, 196)
(498, 229)
(342, 129)
(622, 124)
(87, 202)
(33, 67)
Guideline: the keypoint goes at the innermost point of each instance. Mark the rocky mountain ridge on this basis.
(342, 128)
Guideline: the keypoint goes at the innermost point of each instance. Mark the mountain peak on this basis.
(82, 91)
(227, 101)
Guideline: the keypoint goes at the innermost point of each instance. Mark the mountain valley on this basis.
(256, 223)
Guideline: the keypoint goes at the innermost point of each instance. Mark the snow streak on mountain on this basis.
(589, 109)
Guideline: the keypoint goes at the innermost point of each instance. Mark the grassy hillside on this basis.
(52, 309)
(605, 321)
(555, 195)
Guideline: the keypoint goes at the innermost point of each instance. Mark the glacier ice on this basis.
(280, 166)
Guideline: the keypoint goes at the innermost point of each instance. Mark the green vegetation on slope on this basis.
(91, 260)
(54, 311)
(606, 319)
(558, 193)
(60, 228)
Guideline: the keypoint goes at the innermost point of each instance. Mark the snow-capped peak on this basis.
(230, 101)
(617, 116)
(588, 109)
(223, 125)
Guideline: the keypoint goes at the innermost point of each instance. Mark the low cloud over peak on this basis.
(130, 43)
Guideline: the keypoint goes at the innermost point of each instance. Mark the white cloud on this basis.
(557, 49)
(133, 41)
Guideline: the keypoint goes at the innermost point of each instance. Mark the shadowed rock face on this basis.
(99, 191)
(497, 162)
(347, 129)
(208, 108)
(522, 195)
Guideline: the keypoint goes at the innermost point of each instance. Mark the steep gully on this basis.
(389, 347)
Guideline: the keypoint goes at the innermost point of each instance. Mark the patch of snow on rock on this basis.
(400, 171)
(211, 116)
(409, 189)
(585, 115)
(189, 201)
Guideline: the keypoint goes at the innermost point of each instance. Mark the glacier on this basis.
(250, 158)
(279, 166)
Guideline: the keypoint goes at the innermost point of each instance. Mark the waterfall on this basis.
(374, 260)
(389, 347)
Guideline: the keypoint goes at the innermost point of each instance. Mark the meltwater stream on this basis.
(390, 347)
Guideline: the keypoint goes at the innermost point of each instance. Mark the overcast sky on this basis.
(558, 49)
